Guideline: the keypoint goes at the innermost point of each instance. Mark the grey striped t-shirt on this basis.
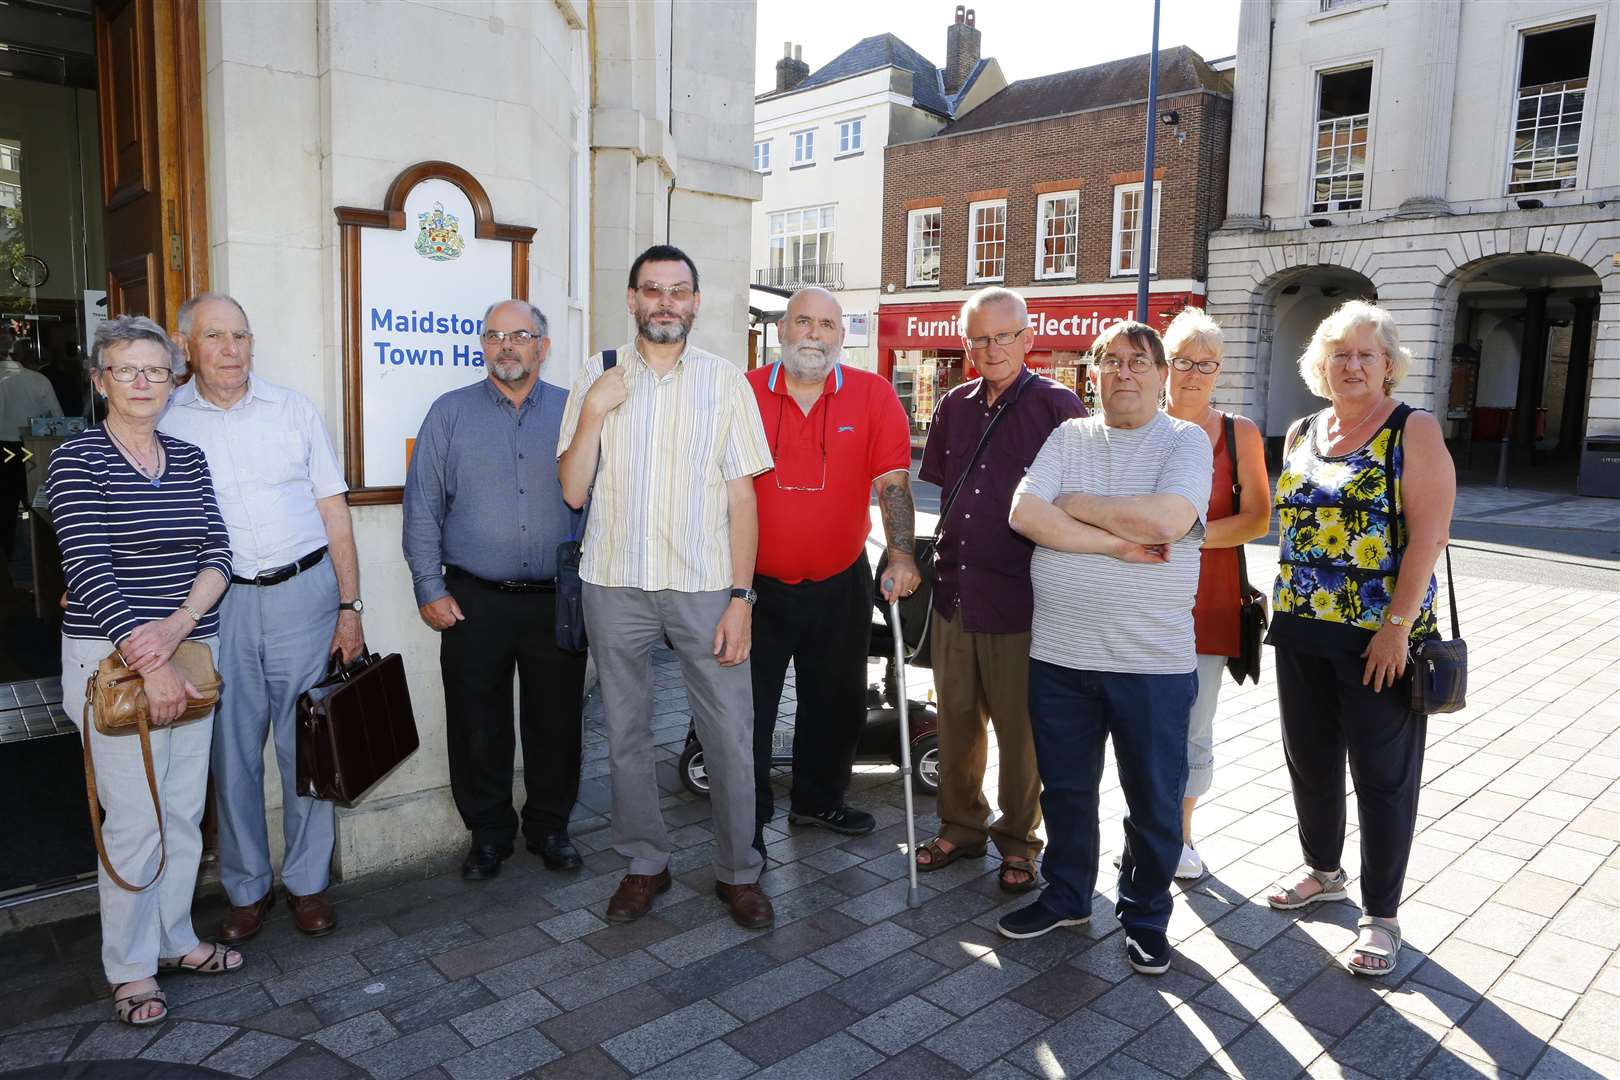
(1094, 612)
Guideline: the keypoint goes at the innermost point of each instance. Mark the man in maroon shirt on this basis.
(982, 599)
(836, 434)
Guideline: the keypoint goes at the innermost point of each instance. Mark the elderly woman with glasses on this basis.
(146, 557)
(1364, 506)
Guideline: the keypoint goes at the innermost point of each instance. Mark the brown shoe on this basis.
(635, 895)
(242, 923)
(750, 907)
(313, 914)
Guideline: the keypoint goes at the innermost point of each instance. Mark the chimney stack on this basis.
(791, 69)
(961, 49)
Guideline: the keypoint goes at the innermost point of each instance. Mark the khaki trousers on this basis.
(982, 678)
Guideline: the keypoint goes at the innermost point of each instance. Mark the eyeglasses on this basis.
(652, 292)
(776, 448)
(1205, 367)
(1005, 338)
(516, 337)
(1113, 364)
(1365, 359)
(127, 373)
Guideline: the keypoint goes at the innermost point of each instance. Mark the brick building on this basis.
(1039, 189)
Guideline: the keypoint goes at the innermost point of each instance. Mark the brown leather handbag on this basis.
(115, 701)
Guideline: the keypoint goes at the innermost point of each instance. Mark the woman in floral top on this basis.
(1364, 505)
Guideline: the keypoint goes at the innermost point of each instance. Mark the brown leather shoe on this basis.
(313, 914)
(242, 923)
(750, 907)
(635, 895)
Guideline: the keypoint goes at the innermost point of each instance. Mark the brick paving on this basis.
(1512, 922)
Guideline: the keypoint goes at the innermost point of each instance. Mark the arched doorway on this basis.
(1521, 365)
(1293, 303)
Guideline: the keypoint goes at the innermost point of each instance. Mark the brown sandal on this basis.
(218, 962)
(1016, 864)
(939, 858)
(125, 1008)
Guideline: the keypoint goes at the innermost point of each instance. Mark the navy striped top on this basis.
(132, 549)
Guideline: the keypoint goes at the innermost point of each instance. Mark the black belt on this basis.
(547, 586)
(284, 573)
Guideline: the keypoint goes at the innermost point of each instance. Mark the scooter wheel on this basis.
(694, 772)
(925, 765)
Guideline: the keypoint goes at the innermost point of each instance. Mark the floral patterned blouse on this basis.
(1339, 551)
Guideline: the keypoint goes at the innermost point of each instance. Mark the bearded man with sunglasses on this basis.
(837, 434)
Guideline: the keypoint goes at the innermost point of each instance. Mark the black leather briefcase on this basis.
(354, 727)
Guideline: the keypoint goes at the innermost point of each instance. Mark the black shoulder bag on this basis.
(570, 622)
(1252, 617)
(916, 609)
(1438, 668)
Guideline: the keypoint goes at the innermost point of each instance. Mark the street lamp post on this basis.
(1146, 220)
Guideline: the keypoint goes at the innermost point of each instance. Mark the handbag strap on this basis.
(1402, 411)
(1229, 433)
(956, 488)
(95, 802)
(610, 358)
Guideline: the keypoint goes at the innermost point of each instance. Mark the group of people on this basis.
(1085, 586)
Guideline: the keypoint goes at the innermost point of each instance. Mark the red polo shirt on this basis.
(814, 513)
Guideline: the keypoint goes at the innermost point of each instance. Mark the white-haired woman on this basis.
(146, 557)
(1364, 506)
(1193, 343)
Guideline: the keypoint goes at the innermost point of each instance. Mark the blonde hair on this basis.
(1193, 327)
(1350, 316)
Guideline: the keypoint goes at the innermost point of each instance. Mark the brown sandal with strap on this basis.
(218, 962)
(125, 1008)
(939, 858)
(1016, 864)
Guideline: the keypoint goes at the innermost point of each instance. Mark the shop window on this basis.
(1551, 104)
(1344, 105)
(1057, 240)
(922, 246)
(987, 241)
(1127, 245)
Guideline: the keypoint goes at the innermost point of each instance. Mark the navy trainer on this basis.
(1148, 951)
(1036, 919)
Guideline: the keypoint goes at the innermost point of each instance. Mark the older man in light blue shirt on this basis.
(294, 600)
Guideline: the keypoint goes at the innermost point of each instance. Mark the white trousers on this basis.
(139, 927)
(1201, 726)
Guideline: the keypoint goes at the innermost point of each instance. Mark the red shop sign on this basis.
(1058, 322)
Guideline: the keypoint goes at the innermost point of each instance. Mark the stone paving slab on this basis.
(1511, 915)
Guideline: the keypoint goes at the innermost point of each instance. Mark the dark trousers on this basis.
(13, 492)
(1326, 714)
(1073, 713)
(503, 631)
(824, 628)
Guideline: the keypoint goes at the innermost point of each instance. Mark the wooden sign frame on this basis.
(351, 219)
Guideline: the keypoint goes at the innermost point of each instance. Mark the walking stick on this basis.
(905, 750)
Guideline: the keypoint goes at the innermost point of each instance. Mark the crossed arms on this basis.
(1131, 528)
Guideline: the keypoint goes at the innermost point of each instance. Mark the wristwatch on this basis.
(356, 605)
(747, 596)
(189, 610)
(1396, 620)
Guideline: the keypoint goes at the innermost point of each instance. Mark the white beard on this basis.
(805, 365)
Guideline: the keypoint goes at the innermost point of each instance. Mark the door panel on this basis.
(127, 120)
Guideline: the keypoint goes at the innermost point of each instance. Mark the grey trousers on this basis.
(624, 625)
(272, 647)
(139, 927)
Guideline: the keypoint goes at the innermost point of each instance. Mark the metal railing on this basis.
(826, 275)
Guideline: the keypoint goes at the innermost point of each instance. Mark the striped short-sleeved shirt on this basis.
(659, 517)
(1094, 612)
(131, 549)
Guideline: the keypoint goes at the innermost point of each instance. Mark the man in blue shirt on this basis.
(484, 514)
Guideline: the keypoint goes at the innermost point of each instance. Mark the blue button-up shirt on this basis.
(481, 493)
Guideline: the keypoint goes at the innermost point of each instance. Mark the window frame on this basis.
(1520, 31)
(1115, 231)
(1041, 202)
(1315, 135)
(825, 235)
(912, 281)
(805, 137)
(973, 277)
(762, 159)
(855, 125)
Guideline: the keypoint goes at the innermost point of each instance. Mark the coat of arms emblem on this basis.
(439, 236)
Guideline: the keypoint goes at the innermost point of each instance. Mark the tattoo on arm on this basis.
(894, 504)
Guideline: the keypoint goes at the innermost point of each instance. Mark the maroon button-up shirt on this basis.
(981, 565)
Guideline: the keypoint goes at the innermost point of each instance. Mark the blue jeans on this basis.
(1073, 713)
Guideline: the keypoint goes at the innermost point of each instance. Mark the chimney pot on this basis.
(791, 70)
(960, 12)
(798, 52)
(787, 49)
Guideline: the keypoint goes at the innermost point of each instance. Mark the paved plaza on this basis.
(1512, 922)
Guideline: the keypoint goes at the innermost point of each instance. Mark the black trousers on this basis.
(1326, 714)
(824, 628)
(504, 631)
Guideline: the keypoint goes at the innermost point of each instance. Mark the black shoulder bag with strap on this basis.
(1438, 668)
(1252, 617)
(570, 622)
(916, 609)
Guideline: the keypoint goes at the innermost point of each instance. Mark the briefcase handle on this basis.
(336, 669)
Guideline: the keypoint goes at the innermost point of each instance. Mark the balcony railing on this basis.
(826, 275)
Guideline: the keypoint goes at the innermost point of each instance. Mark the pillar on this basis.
(1438, 25)
(1532, 373)
(1572, 428)
(1246, 160)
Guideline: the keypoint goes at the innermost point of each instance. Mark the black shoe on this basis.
(1148, 951)
(1034, 920)
(844, 820)
(557, 851)
(483, 862)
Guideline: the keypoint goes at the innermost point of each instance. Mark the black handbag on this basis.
(570, 619)
(354, 727)
(916, 610)
(1252, 617)
(1438, 668)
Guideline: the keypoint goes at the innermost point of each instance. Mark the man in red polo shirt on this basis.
(836, 434)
